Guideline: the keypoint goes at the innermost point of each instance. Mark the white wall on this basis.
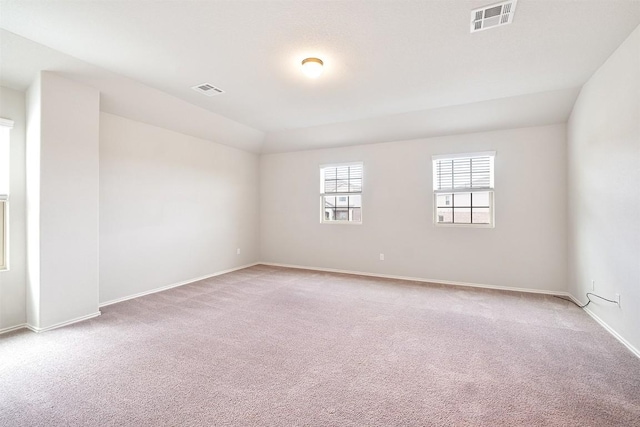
(32, 171)
(604, 190)
(526, 249)
(172, 207)
(63, 235)
(13, 281)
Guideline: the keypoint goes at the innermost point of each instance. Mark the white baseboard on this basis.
(474, 285)
(420, 279)
(65, 323)
(12, 328)
(601, 322)
(608, 328)
(174, 285)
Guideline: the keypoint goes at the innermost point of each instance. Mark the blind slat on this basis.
(463, 173)
(342, 179)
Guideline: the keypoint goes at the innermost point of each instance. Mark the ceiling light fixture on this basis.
(312, 67)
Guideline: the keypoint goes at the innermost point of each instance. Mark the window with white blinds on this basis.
(5, 128)
(463, 189)
(341, 193)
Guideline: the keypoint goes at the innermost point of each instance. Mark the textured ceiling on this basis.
(383, 58)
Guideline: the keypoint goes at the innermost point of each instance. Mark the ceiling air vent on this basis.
(208, 89)
(492, 16)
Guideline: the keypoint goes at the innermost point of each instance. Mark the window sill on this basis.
(465, 225)
(340, 223)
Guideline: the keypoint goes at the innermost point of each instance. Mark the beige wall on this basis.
(526, 249)
(604, 190)
(172, 207)
(12, 282)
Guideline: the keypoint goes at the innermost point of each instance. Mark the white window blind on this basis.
(342, 179)
(5, 128)
(463, 172)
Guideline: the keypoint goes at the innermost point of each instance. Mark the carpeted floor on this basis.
(282, 347)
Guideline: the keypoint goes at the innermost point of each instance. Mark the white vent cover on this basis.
(493, 15)
(207, 89)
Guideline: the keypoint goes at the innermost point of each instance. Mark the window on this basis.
(341, 193)
(5, 127)
(463, 189)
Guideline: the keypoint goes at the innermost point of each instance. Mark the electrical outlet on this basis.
(238, 251)
(381, 257)
(618, 299)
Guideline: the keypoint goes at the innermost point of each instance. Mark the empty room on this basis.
(319, 213)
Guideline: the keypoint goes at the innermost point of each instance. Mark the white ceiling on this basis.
(385, 60)
(536, 109)
(21, 59)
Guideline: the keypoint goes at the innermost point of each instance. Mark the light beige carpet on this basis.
(282, 347)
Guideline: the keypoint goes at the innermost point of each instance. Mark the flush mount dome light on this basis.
(312, 67)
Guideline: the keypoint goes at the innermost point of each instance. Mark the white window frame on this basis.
(6, 126)
(342, 194)
(490, 189)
